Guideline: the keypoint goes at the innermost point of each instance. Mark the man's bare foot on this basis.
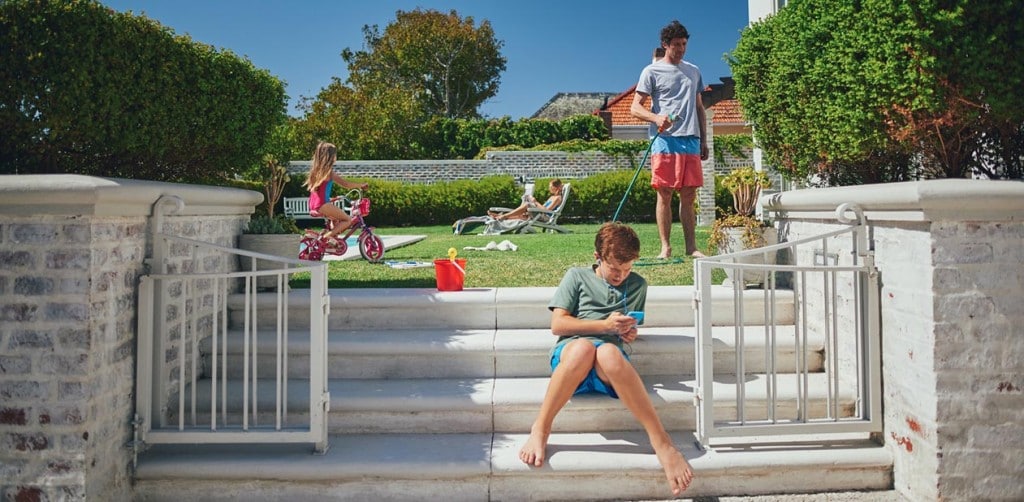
(677, 469)
(697, 254)
(666, 253)
(532, 452)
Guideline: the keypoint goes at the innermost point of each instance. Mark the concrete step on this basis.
(495, 308)
(432, 395)
(612, 465)
(504, 404)
(438, 353)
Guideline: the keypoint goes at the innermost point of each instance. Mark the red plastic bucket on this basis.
(450, 277)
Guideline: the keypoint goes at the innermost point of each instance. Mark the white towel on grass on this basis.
(408, 264)
(505, 245)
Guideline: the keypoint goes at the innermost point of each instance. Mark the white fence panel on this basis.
(836, 300)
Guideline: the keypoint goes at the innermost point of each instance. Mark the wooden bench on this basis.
(297, 208)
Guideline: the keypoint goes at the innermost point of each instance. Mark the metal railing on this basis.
(835, 303)
(190, 388)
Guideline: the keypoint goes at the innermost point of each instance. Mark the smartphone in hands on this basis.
(638, 315)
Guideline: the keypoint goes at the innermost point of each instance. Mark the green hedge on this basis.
(444, 138)
(401, 204)
(592, 199)
(596, 197)
(92, 91)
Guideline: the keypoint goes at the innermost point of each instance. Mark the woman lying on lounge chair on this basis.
(522, 212)
(499, 219)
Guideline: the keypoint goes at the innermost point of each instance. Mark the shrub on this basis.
(402, 204)
(596, 197)
(399, 204)
(442, 138)
(723, 199)
(92, 91)
(593, 199)
(263, 224)
(744, 185)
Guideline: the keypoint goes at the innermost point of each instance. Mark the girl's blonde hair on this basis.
(323, 165)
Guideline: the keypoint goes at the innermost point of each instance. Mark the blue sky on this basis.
(551, 46)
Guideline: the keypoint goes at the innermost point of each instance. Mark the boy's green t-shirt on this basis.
(586, 295)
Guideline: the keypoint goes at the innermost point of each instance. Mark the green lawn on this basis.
(541, 259)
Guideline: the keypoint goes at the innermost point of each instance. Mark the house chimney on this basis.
(658, 54)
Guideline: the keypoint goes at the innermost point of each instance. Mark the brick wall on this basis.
(69, 270)
(951, 263)
(978, 283)
(528, 164)
(66, 353)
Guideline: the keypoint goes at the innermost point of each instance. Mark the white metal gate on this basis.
(184, 391)
(835, 299)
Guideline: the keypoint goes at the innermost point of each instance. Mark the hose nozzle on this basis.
(671, 118)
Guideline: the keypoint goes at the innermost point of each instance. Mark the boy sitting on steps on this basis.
(588, 315)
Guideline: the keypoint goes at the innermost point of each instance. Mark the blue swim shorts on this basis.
(590, 383)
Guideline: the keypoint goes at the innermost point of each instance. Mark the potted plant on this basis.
(266, 233)
(743, 230)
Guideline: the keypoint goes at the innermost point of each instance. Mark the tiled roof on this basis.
(620, 105)
(727, 111)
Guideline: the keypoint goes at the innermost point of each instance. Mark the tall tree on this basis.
(449, 65)
(363, 125)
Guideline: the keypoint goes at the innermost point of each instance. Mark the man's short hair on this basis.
(672, 31)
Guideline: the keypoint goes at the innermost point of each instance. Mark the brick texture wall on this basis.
(68, 299)
(952, 329)
(66, 356)
(978, 283)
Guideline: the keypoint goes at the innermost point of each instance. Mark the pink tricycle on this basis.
(314, 245)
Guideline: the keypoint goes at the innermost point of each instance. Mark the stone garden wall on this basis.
(950, 255)
(72, 249)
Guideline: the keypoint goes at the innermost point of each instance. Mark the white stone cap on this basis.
(930, 200)
(75, 194)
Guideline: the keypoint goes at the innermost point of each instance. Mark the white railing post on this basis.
(144, 409)
(319, 397)
(703, 393)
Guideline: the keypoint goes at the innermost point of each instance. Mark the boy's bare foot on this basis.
(532, 452)
(677, 469)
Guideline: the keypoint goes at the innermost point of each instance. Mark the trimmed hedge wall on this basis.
(594, 198)
(92, 91)
(444, 138)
